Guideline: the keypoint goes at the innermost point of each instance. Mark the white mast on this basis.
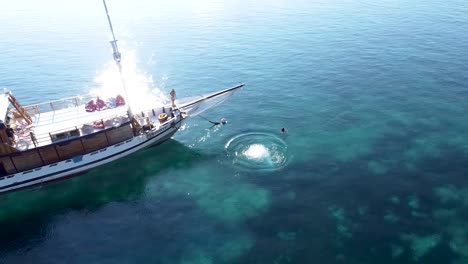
(117, 59)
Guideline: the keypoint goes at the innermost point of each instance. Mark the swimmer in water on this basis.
(284, 131)
(223, 121)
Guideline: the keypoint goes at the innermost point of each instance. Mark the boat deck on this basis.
(75, 120)
(72, 117)
(67, 118)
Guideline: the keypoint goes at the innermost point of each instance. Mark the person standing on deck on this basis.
(33, 138)
(173, 97)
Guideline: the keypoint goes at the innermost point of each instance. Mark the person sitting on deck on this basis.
(100, 104)
(90, 106)
(11, 135)
(148, 126)
(119, 100)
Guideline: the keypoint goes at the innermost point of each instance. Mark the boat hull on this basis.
(79, 165)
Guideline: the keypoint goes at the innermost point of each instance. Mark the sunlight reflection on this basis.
(140, 88)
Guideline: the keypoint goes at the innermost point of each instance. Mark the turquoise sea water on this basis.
(373, 170)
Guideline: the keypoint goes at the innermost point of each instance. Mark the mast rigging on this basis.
(118, 58)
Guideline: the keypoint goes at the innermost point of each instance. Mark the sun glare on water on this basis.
(141, 93)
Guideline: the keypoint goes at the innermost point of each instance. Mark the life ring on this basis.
(116, 122)
(22, 145)
(162, 118)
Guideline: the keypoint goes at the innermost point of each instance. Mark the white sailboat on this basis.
(56, 140)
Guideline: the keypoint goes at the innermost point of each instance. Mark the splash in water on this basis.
(142, 94)
(259, 151)
(256, 151)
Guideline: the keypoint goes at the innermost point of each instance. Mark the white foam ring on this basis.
(257, 151)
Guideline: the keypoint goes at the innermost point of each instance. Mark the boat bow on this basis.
(197, 105)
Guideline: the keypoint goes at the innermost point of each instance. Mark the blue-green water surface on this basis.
(372, 93)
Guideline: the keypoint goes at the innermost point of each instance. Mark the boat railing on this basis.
(27, 140)
(73, 148)
(55, 105)
(63, 134)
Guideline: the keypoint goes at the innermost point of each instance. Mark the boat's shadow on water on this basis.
(25, 213)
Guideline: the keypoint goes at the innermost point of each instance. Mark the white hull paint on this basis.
(80, 164)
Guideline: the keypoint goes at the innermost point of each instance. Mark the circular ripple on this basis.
(259, 151)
